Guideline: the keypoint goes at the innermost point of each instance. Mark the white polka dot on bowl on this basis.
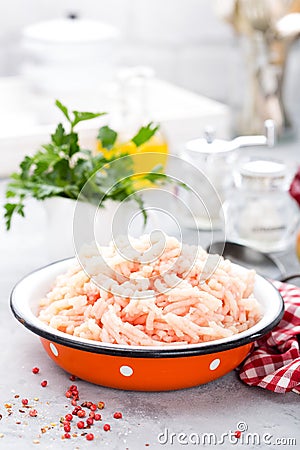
(53, 349)
(214, 364)
(126, 371)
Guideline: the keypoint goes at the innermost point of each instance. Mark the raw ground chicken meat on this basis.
(164, 301)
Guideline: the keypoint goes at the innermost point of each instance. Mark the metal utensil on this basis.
(257, 14)
(269, 27)
(264, 264)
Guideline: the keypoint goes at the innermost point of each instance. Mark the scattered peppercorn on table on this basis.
(43, 407)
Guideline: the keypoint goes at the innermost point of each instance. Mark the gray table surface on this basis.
(213, 408)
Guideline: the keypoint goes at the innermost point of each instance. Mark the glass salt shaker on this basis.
(215, 158)
(260, 212)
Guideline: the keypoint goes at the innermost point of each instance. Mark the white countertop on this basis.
(213, 408)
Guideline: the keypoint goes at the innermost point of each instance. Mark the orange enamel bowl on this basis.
(154, 368)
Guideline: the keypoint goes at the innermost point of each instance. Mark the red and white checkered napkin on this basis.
(274, 363)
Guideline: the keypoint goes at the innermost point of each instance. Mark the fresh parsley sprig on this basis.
(62, 168)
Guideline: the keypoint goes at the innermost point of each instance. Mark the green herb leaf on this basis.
(25, 165)
(145, 133)
(10, 194)
(81, 116)
(44, 190)
(107, 136)
(63, 109)
(58, 137)
(45, 160)
(10, 209)
(73, 144)
(61, 173)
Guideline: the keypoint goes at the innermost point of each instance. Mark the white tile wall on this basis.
(207, 69)
(178, 22)
(182, 39)
(164, 58)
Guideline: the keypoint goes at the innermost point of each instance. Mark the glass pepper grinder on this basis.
(260, 212)
(214, 158)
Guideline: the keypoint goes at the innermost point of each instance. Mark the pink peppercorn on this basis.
(89, 437)
(89, 421)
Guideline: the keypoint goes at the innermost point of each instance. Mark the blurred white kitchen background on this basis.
(185, 41)
(182, 39)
